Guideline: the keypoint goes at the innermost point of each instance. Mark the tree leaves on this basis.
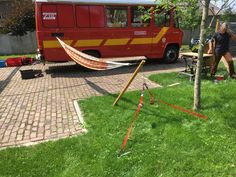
(20, 20)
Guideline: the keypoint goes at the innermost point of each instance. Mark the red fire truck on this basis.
(106, 28)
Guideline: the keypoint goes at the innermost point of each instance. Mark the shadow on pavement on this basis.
(96, 87)
(4, 83)
(74, 70)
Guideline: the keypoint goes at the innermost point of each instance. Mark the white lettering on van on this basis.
(140, 33)
(49, 15)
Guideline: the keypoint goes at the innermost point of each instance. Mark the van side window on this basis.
(137, 17)
(162, 18)
(117, 17)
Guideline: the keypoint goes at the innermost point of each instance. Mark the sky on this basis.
(219, 3)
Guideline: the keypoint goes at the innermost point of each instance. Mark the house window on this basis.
(117, 17)
(162, 18)
(138, 17)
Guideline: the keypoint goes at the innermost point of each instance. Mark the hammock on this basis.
(89, 61)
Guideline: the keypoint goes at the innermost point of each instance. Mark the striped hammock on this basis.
(89, 61)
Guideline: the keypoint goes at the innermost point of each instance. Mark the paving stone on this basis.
(42, 108)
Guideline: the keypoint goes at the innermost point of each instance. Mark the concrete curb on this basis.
(79, 112)
(38, 141)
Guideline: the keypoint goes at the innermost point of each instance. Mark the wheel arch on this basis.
(171, 47)
(173, 44)
(93, 52)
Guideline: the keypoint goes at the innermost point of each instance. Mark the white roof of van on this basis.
(138, 2)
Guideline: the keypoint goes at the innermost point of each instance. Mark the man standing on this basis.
(221, 44)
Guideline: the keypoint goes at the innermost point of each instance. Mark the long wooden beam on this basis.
(130, 81)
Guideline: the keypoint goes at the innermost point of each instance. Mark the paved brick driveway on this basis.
(41, 109)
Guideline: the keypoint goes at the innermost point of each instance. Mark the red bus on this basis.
(106, 28)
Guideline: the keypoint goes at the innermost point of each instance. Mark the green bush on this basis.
(20, 19)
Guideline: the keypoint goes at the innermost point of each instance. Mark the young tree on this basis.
(183, 8)
(228, 14)
(20, 19)
(197, 84)
(190, 17)
(227, 5)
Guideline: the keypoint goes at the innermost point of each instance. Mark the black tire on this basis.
(171, 54)
(93, 53)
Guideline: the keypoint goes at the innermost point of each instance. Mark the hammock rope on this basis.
(140, 105)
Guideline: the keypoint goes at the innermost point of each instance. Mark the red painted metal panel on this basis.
(14, 61)
(82, 16)
(97, 16)
(65, 16)
(57, 54)
(49, 16)
(90, 25)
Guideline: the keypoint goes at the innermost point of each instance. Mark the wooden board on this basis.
(193, 54)
(126, 59)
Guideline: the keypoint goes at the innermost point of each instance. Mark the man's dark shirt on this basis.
(222, 43)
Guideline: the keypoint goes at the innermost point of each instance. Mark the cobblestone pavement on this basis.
(42, 109)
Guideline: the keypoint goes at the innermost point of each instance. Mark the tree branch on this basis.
(221, 8)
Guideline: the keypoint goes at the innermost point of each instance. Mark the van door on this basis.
(57, 21)
(141, 32)
(160, 29)
(49, 16)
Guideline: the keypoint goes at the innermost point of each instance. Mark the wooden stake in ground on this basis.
(130, 81)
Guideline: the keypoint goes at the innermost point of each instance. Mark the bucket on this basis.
(27, 74)
(27, 61)
(219, 78)
(2, 63)
(31, 73)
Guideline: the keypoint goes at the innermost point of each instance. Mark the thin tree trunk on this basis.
(197, 84)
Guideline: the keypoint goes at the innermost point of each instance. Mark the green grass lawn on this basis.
(4, 57)
(164, 142)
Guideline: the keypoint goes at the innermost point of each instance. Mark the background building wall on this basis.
(18, 45)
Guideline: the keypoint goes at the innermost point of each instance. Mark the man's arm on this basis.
(211, 45)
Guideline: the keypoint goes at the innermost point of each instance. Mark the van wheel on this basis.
(171, 54)
(92, 53)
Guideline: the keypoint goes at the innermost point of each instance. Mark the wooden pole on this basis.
(217, 25)
(130, 81)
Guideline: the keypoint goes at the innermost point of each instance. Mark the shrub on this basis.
(20, 19)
